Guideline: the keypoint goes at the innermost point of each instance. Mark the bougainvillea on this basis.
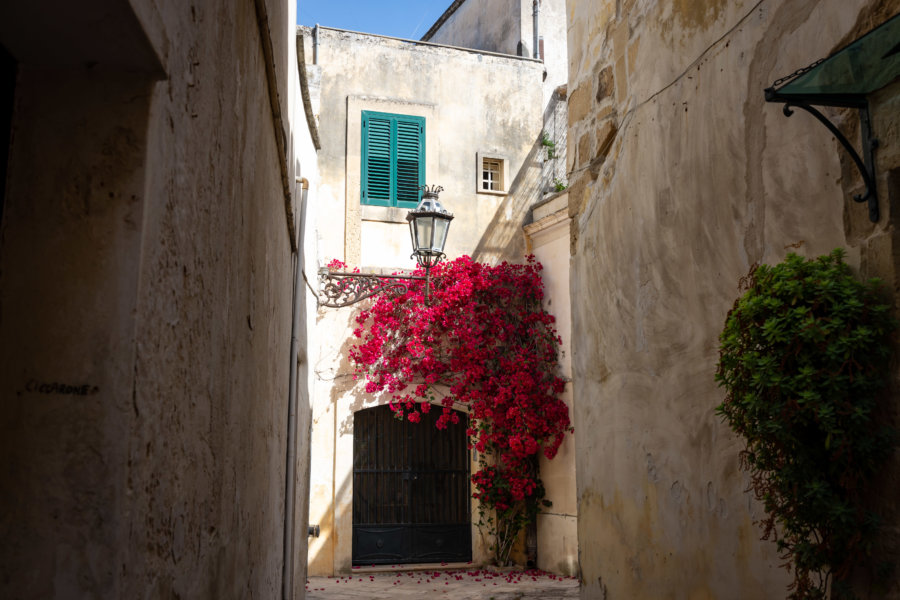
(482, 341)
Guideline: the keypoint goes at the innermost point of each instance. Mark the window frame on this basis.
(503, 173)
(394, 120)
(491, 174)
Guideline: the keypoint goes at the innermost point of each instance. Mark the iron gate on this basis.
(410, 490)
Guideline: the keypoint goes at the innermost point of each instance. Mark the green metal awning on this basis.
(862, 67)
(845, 79)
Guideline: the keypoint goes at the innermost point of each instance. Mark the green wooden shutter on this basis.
(393, 159)
(410, 162)
(376, 159)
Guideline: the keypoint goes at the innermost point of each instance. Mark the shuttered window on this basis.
(393, 159)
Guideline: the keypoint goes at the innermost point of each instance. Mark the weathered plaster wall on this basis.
(681, 178)
(499, 111)
(472, 103)
(145, 313)
(486, 25)
(306, 167)
(507, 27)
(70, 245)
(552, 30)
(557, 533)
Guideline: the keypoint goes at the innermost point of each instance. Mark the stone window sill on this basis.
(384, 214)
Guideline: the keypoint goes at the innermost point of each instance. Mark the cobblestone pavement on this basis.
(469, 584)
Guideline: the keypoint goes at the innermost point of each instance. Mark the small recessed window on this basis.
(491, 174)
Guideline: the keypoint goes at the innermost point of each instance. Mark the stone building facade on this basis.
(682, 177)
(360, 77)
(150, 237)
(513, 112)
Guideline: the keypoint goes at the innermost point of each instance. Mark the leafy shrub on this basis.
(804, 358)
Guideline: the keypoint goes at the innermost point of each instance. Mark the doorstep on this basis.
(415, 567)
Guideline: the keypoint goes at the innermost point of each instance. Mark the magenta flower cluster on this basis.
(483, 342)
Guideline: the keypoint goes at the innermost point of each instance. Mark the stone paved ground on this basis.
(470, 584)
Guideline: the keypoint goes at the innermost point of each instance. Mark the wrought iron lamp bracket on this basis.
(866, 163)
(428, 225)
(339, 289)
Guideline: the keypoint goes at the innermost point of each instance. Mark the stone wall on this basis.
(681, 178)
(146, 273)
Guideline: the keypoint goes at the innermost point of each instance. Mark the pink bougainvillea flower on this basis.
(485, 341)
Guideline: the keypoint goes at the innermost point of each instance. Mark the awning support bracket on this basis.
(866, 163)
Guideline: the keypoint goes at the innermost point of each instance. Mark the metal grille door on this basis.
(410, 490)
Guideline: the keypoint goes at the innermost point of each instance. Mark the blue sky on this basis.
(397, 18)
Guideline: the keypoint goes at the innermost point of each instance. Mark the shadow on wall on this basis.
(347, 385)
(325, 552)
(503, 238)
(556, 124)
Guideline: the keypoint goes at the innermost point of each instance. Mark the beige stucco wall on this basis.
(552, 29)
(486, 25)
(507, 27)
(557, 534)
(472, 102)
(499, 113)
(145, 306)
(681, 178)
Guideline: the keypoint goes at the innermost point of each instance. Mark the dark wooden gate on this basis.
(410, 490)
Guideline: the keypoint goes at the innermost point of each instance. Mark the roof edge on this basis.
(442, 19)
(302, 28)
(304, 93)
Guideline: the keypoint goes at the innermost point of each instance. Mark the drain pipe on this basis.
(290, 487)
(316, 44)
(290, 490)
(537, 10)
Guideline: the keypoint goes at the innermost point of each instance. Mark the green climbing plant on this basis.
(549, 144)
(804, 359)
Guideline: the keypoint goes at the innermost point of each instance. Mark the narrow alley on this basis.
(352, 299)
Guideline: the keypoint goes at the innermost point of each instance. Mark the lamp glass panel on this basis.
(425, 230)
(412, 234)
(441, 226)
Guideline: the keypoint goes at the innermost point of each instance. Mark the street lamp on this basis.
(429, 223)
